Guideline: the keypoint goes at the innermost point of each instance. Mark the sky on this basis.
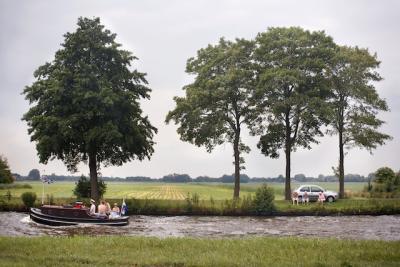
(163, 35)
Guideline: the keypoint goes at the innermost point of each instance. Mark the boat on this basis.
(70, 215)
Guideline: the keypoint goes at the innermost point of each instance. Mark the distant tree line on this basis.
(185, 178)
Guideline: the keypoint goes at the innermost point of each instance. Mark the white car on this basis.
(313, 191)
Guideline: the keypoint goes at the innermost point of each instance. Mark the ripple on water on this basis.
(348, 227)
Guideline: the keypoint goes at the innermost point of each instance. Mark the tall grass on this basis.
(134, 251)
(243, 206)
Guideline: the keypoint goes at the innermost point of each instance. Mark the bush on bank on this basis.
(28, 198)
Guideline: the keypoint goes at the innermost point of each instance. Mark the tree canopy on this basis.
(85, 103)
(216, 104)
(34, 174)
(386, 180)
(291, 90)
(355, 103)
(5, 172)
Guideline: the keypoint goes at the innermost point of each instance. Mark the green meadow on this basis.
(138, 251)
(167, 191)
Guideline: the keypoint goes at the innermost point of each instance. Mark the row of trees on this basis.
(286, 86)
(184, 178)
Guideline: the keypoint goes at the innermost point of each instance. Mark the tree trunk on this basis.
(288, 191)
(237, 166)
(94, 190)
(341, 165)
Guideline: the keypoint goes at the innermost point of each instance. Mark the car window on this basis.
(316, 189)
(305, 188)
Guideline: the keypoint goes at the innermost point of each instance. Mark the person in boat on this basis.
(115, 212)
(102, 209)
(108, 211)
(92, 210)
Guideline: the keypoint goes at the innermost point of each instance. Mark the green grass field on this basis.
(171, 191)
(138, 251)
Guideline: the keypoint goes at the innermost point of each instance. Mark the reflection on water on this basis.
(353, 227)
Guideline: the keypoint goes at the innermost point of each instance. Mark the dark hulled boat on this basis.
(61, 215)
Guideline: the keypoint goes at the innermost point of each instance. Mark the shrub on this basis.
(82, 187)
(264, 200)
(8, 195)
(50, 199)
(5, 173)
(191, 201)
(386, 180)
(28, 198)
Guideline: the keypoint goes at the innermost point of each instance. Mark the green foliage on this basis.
(264, 200)
(354, 102)
(216, 104)
(86, 103)
(50, 199)
(191, 201)
(28, 198)
(5, 173)
(8, 195)
(82, 188)
(34, 174)
(386, 180)
(291, 86)
(290, 66)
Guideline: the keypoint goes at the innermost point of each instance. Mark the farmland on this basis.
(166, 191)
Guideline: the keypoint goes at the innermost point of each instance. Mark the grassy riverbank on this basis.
(229, 207)
(200, 199)
(133, 251)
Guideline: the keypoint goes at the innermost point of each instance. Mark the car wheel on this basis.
(330, 199)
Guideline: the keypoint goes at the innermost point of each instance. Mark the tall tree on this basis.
(216, 104)
(86, 104)
(5, 173)
(34, 174)
(355, 103)
(291, 65)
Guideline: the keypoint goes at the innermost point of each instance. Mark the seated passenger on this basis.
(92, 207)
(108, 210)
(115, 212)
(102, 208)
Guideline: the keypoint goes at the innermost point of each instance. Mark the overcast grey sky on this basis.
(164, 34)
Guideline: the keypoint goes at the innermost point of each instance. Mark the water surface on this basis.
(349, 227)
